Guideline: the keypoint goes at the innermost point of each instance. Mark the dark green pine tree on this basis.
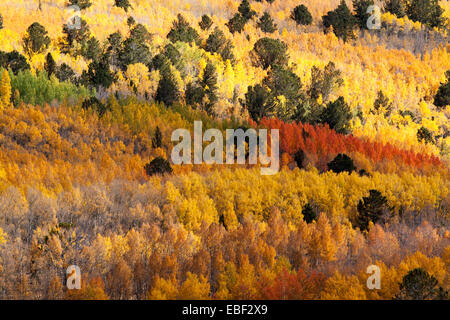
(309, 215)
(428, 12)
(82, 4)
(337, 115)
(342, 163)
(124, 4)
(158, 165)
(301, 15)
(168, 91)
(266, 23)
(36, 40)
(396, 7)
(246, 11)
(342, 21)
(49, 65)
(373, 208)
(205, 23)
(360, 8)
(209, 85)
(157, 139)
(442, 97)
(418, 284)
(182, 31)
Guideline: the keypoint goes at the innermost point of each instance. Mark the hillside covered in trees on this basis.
(91, 91)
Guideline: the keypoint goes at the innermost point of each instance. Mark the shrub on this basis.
(301, 15)
(158, 165)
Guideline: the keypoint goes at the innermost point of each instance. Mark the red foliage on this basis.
(322, 144)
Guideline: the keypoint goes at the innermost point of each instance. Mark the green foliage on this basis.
(98, 75)
(418, 284)
(93, 50)
(360, 7)
(168, 91)
(301, 15)
(13, 61)
(323, 82)
(124, 4)
(93, 103)
(36, 40)
(236, 24)
(49, 65)
(299, 158)
(425, 135)
(74, 39)
(135, 49)
(442, 97)
(209, 85)
(39, 89)
(246, 11)
(266, 23)
(268, 52)
(309, 214)
(256, 102)
(217, 42)
(113, 48)
(342, 21)
(428, 12)
(158, 165)
(65, 73)
(373, 208)
(157, 138)
(337, 115)
(283, 82)
(182, 31)
(82, 4)
(382, 102)
(396, 7)
(1, 22)
(342, 163)
(205, 23)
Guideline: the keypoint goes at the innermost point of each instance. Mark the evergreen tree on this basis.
(93, 50)
(158, 165)
(342, 163)
(373, 208)
(209, 85)
(428, 12)
(74, 39)
(124, 4)
(1, 22)
(323, 82)
(382, 102)
(135, 49)
(266, 23)
(168, 91)
(418, 284)
(337, 115)
(36, 40)
(65, 73)
(13, 61)
(309, 215)
(396, 7)
(216, 41)
(114, 48)
(299, 158)
(342, 21)
(49, 65)
(268, 52)
(182, 31)
(98, 74)
(236, 24)
(360, 7)
(301, 15)
(82, 4)
(246, 11)
(94, 104)
(256, 102)
(425, 135)
(442, 97)
(157, 139)
(205, 23)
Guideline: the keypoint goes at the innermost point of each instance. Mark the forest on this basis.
(92, 90)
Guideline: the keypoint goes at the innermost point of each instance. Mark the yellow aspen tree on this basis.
(5, 89)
